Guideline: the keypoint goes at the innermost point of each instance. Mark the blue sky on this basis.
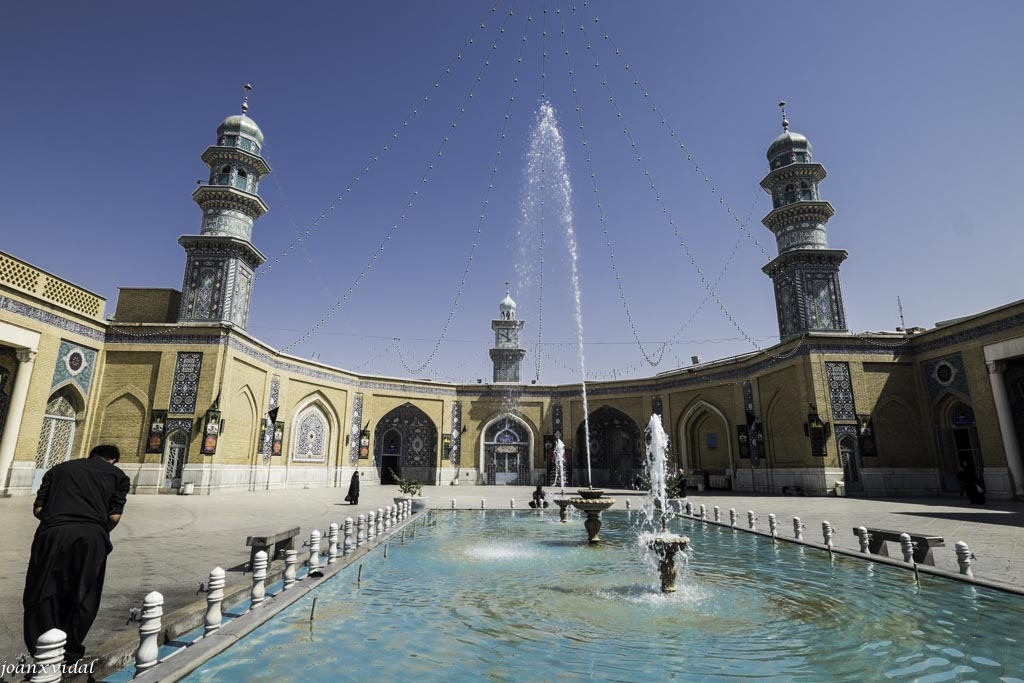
(914, 108)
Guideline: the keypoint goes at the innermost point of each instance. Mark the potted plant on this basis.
(410, 489)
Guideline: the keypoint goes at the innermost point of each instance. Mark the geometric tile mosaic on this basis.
(355, 428)
(75, 365)
(185, 385)
(456, 432)
(840, 391)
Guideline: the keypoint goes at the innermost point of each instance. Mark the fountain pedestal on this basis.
(665, 546)
(562, 504)
(593, 502)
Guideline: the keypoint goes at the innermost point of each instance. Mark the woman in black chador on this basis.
(353, 490)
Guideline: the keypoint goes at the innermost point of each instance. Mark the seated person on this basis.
(539, 498)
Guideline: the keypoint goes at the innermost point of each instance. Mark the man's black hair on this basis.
(106, 451)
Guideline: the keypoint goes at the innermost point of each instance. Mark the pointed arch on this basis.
(700, 420)
(239, 439)
(59, 430)
(413, 434)
(506, 450)
(123, 423)
(613, 448)
(314, 430)
(960, 454)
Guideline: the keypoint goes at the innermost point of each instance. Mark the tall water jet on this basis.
(547, 155)
(665, 545)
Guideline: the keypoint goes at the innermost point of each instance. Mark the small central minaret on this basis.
(506, 354)
(808, 297)
(222, 259)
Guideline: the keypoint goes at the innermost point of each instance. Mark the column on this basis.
(15, 412)
(1006, 429)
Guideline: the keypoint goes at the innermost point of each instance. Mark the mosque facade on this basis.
(196, 404)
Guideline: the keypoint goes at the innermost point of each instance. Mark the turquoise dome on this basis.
(242, 124)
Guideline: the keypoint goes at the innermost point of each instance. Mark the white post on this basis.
(751, 520)
(291, 560)
(408, 508)
(718, 514)
(732, 517)
(907, 546)
(689, 509)
(387, 517)
(349, 541)
(394, 515)
(259, 576)
(963, 558)
(149, 631)
(773, 524)
(865, 539)
(361, 530)
(314, 554)
(798, 529)
(380, 521)
(49, 658)
(512, 503)
(483, 503)
(827, 533)
(332, 548)
(214, 596)
(703, 512)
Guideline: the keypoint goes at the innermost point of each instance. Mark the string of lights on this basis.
(410, 201)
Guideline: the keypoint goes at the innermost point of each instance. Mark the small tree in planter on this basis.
(409, 488)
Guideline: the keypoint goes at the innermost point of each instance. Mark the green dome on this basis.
(240, 123)
(787, 142)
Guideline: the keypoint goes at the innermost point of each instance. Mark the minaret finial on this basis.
(785, 121)
(245, 100)
(506, 288)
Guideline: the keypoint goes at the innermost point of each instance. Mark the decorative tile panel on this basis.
(748, 409)
(840, 391)
(185, 385)
(418, 435)
(556, 419)
(945, 374)
(355, 428)
(267, 432)
(453, 456)
(47, 318)
(74, 365)
(310, 437)
(174, 424)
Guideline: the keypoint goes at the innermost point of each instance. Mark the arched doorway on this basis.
(507, 447)
(57, 435)
(849, 458)
(405, 443)
(613, 446)
(960, 452)
(175, 457)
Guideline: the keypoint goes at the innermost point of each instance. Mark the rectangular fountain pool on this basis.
(518, 596)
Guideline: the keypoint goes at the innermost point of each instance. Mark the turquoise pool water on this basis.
(517, 596)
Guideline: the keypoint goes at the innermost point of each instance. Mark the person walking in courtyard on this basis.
(353, 489)
(78, 503)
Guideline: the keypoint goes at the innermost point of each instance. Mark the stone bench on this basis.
(283, 540)
(923, 543)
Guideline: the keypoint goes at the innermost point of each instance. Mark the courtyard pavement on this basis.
(170, 543)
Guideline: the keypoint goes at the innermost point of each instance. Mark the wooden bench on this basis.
(283, 540)
(923, 543)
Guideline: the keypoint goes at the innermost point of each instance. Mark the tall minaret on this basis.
(506, 354)
(221, 258)
(806, 272)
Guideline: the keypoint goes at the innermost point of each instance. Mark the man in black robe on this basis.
(353, 489)
(78, 503)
